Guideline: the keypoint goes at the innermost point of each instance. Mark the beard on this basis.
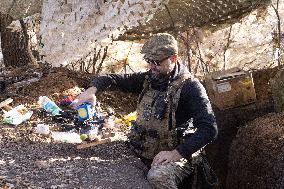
(158, 77)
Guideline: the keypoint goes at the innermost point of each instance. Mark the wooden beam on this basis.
(95, 143)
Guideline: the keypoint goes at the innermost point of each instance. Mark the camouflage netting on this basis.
(80, 26)
(73, 26)
(70, 26)
(182, 12)
(179, 15)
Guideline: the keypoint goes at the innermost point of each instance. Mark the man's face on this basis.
(163, 68)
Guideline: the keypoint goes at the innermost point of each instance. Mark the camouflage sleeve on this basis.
(124, 82)
(194, 104)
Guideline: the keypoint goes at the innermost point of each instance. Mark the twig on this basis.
(279, 32)
(89, 65)
(102, 60)
(125, 63)
(248, 63)
(186, 43)
(168, 10)
(227, 47)
(205, 70)
(95, 59)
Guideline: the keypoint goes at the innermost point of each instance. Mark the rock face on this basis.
(256, 158)
(277, 85)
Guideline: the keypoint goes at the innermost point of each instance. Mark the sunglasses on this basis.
(155, 62)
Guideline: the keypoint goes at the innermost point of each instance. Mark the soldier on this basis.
(174, 116)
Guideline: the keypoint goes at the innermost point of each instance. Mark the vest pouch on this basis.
(136, 137)
(151, 145)
(160, 107)
(136, 131)
(173, 139)
(169, 141)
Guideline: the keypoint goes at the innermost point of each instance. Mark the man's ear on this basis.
(174, 58)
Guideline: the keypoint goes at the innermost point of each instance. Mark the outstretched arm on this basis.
(87, 96)
(126, 82)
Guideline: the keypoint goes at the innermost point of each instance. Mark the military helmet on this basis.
(160, 46)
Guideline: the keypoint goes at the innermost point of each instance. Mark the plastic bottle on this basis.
(109, 122)
(49, 105)
(93, 133)
(66, 137)
(86, 111)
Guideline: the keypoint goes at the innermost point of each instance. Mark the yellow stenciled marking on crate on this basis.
(247, 81)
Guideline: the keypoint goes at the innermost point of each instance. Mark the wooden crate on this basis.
(230, 88)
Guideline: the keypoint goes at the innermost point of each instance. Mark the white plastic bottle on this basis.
(49, 105)
(66, 137)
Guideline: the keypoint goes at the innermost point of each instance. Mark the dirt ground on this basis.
(31, 160)
(230, 120)
(256, 155)
(31, 163)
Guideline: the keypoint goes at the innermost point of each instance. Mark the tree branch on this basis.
(168, 10)
(227, 47)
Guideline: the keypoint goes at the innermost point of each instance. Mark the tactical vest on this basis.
(154, 129)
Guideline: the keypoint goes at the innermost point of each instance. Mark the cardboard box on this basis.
(230, 88)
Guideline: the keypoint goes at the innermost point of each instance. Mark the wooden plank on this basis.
(108, 135)
(87, 145)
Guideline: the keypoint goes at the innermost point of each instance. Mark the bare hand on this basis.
(164, 157)
(87, 96)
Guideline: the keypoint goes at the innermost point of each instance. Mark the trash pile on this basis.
(86, 123)
(41, 93)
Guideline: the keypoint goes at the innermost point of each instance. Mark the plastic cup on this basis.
(42, 129)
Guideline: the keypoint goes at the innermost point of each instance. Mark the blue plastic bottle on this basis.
(49, 105)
